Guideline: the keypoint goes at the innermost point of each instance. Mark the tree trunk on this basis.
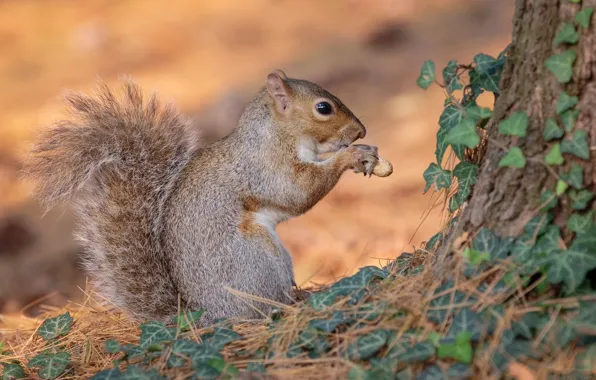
(505, 199)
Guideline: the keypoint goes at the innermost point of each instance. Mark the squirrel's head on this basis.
(318, 119)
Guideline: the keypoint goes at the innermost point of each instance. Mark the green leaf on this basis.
(187, 319)
(583, 17)
(220, 337)
(513, 159)
(182, 351)
(561, 65)
(427, 74)
(554, 156)
(548, 244)
(581, 223)
(330, 324)
(55, 327)
(580, 199)
(460, 351)
(466, 321)
(578, 145)
(450, 78)
(348, 285)
(565, 102)
(322, 300)
(569, 266)
(487, 73)
(476, 113)
(567, 34)
(13, 371)
(552, 131)
(450, 118)
(569, 118)
(575, 176)
(50, 365)
(464, 134)
(475, 257)
(548, 199)
(586, 360)
(108, 374)
(223, 367)
(132, 351)
(113, 346)
(467, 174)
(561, 187)
(134, 372)
(154, 332)
(403, 351)
(368, 345)
(202, 354)
(515, 125)
(436, 238)
(439, 308)
(434, 175)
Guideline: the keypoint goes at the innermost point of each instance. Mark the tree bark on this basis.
(505, 199)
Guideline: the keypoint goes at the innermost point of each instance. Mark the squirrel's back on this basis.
(118, 160)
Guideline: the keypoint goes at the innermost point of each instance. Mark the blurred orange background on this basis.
(210, 57)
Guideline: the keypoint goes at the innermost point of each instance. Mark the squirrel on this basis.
(168, 221)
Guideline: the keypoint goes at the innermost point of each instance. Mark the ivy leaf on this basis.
(112, 346)
(467, 174)
(368, 345)
(548, 199)
(548, 244)
(450, 78)
(403, 351)
(578, 145)
(202, 354)
(554, 156)
(134, 372)
(464, 134)
(569, 118)
(584, 16)
(575, 176)
(569, 267)
(561, 187)
(348, 285)
(132, 351)
(580, 199)
(552, 131)
(50, 365)
(565, 102)
(182, 350)
(224, 368)
(329, 324)
(321, 300)
(567, 34)
(436, 238)
(427, 74)
(581, 223)
(475, 257)
(460, 351)
(108, 374)
(439, 308)
(13, 371)
(466, 321)
(485, 241)
(487, 73)
(561, 65)
(515, 125)
(220, 337)
(450, 118)
(187, 319)
(476, 113)
(437, 176)
(154, 332)
(513, 159)
(55, 327)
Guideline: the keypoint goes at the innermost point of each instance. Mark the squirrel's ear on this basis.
(279, 89)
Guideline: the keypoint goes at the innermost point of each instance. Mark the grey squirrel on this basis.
(167, 221)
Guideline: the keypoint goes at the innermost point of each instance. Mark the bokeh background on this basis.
(210, 57)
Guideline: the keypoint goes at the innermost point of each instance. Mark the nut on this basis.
(383, 168)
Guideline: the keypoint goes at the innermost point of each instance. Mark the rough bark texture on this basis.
(504, 199)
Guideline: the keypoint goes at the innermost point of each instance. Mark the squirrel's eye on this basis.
(324, 108)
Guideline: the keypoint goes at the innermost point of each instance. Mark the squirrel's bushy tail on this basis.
(117, 160)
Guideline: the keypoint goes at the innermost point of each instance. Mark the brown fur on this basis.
(164, 219)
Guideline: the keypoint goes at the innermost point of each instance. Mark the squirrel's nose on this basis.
(362, 132)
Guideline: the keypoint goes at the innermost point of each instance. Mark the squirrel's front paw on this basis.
(364, 158)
